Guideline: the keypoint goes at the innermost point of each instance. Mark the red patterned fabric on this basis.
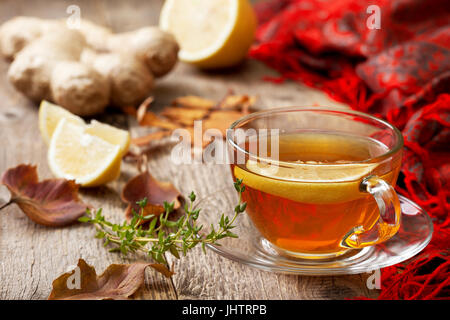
(400, 72)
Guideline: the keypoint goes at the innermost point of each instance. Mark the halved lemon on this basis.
(211, 34)
(49, 116)
(77, 155)
(305, 182)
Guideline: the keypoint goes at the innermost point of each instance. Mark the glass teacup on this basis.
(324, 181)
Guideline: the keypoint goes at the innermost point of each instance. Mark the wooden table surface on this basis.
(32, 256)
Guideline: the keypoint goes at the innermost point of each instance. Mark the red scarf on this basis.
(400, 72)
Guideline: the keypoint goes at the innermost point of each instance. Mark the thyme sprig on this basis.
(167, 236)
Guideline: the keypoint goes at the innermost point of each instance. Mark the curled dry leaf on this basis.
(143, 108)
(119, 281)
(148, 118)
(52, 202)
(143, 186)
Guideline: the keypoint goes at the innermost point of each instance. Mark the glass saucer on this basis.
(253, 250)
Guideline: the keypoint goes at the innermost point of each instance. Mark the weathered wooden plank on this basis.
(32, 256)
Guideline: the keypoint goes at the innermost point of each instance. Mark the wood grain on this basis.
(31, 256)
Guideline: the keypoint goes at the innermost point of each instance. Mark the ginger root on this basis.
(130, 79)
(84, 70)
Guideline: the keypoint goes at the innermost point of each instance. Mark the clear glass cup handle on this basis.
(389, 221)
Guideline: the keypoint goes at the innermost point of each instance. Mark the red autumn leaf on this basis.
(52, 202)
(119, 281)
(143, 186)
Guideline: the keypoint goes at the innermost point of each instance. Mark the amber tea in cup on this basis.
(329, 187)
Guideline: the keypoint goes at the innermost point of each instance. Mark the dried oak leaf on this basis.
(145, 185)
(195, 102)
(119, 281)
(52, 202)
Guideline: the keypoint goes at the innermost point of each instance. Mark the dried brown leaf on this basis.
(119, 281)
(143, 186)
(52, 202)
(162, 269)
(195, 102)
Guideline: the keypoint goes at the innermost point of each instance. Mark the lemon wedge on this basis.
(49, 116)
(77, 155)
(307, 182)
(110, 134)
(211, 34)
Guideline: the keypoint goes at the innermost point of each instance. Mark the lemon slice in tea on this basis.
(314, 183)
